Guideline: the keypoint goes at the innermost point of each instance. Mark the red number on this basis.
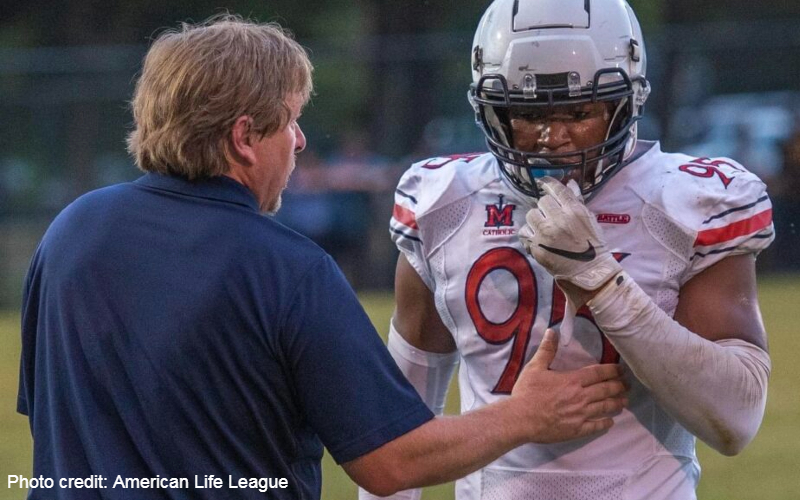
(706, 168)
(518, 326)
(717, 163)
(435, 163)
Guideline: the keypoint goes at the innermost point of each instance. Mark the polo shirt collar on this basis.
(221, 188)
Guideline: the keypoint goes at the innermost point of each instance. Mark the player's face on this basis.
(561, 129)
(276, 156)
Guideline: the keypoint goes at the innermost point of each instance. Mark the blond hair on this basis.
(198, 80)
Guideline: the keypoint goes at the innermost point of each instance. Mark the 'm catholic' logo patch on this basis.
(498, 217)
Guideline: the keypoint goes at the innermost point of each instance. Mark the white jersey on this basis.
(666, 217)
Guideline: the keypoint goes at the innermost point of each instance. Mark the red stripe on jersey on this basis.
(405, 216)
(731, 231)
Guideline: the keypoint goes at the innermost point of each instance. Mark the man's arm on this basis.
(711, 377)
(721, 302)
(422, 347)
(545, 406)
(416, 317)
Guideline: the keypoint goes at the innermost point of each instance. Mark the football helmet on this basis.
(539, 54)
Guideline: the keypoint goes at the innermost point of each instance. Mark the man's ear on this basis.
(242, 141)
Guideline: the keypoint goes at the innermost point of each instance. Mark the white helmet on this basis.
(543, 53)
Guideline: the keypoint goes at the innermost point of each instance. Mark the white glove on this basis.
(563, 236)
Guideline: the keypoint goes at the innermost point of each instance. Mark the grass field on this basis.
(769, 469)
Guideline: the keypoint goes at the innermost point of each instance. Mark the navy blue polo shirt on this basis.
(170, 330)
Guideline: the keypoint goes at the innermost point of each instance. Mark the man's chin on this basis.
(273, 207)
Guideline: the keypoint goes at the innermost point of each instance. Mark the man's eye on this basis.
(530, 117)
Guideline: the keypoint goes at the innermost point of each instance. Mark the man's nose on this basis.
(554, 134)
(300, 143)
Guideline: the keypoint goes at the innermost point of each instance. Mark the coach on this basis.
(170, 330)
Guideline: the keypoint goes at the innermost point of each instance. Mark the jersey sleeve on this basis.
(432, 200)
(403, 226)
(725, 209)
(348, 386)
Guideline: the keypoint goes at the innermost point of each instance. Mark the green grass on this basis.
(767, 469)
(15, 436)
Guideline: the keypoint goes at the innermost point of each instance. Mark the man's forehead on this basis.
(295, 102)
(560, 108)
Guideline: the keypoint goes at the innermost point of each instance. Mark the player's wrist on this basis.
(619, 303)
(584, 283)
(580, 296)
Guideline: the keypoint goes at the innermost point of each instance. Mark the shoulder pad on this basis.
(722, 208)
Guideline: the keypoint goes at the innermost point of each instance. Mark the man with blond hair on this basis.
(176, 342)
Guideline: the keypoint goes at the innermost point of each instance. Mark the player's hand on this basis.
(561, 406)
(563, 236)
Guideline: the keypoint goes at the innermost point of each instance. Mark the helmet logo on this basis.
(635, 51)
(477, 58)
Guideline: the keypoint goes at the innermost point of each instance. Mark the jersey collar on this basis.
(221, 188)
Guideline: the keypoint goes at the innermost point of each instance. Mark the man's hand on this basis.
(563, 236)
(545, 407)
(560, 406)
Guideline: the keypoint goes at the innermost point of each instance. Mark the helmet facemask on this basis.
(590, 166)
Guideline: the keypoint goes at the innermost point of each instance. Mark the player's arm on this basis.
(419, 343)
(416, 318)
(721, 302)
(422, 347)
(708, 367)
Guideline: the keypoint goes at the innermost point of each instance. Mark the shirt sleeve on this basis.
(22, 401)
(30, 313)
(735, 221)
(403, 226)
(348, 386)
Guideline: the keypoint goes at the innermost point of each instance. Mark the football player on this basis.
(653, 255)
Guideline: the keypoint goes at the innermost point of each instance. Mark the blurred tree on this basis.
(382, 65)
(682, 11)
(403, 80)
(335, 24)
(650, 14)
(724, 46)
(95, 22)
